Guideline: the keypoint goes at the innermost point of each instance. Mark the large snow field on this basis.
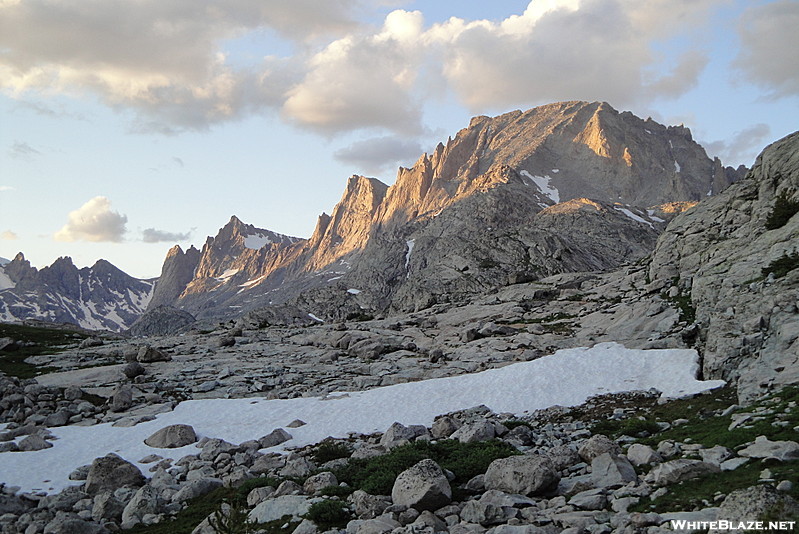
(565, 378)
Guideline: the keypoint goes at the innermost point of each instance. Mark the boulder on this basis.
(611, 470)
(596, 445)
(755, 502)
(107, 507)
(276, 437)
(172, 437)
(525, 475)
(640, 454)
(423, 487)
(122, 399)
(146, 501)
(34, 442)
(133, 369)
(319, 481)
(196, 488)
(368, 506)
(379, 525)
(148, 354)
(675, 471)
(782, 451)
(472, 432)
(272, 509)
(111, 472)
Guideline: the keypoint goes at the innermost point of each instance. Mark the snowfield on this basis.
(565, 378)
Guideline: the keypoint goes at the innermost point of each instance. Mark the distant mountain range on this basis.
(571, 186)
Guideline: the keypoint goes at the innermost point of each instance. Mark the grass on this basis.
(699, 492)
(706, 426)
(330, 450)
(187, 519)
(328, 514)
(466, 460)
(44, 340)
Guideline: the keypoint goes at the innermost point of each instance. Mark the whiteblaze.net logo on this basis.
(721, 524)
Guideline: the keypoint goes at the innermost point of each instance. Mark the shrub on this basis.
(782, 266)
(784, 209)
(331, 450)
(329, 514)
(234, 521)
(465, 460)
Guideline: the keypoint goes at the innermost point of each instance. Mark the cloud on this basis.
(4, 188)
(170, 62)
(744, 146)
(22, 150)
(769, 41)
(151, 235)
(162, 59)
(8, 235)
(94, 221)
(379, 154)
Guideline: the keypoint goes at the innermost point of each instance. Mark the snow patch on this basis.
(315, 318)
(411, 243)
(542, 182)
(5, 281)
(228, 274)
(352, 291)
(710, 192)
(677, 167)
(257, 241)
(651, 214)
(556, 171)
(566, 378)
(633, 216)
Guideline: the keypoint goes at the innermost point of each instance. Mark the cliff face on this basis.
(736, 262)
(472, 215)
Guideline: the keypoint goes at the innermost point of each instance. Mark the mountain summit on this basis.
(476, 213)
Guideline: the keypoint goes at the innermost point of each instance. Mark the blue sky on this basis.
(127, 127)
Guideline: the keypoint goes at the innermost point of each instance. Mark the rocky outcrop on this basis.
(161, 321)
(176, 273)
(100, 297)
(734, 268)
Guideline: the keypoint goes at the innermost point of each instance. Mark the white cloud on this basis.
(167, 60)
(4, 188)
(151, 235)
(770, 40)
(380, 154)
(8, 235)
(94, 221)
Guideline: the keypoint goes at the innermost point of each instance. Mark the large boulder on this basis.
(675, 471)
(610, 470)
(172, 437)
(525, 475)
(597, 445)
(148, 354)
(111, 472)
(423, 487)
(753, 503)
(781, 451)
(145, 502)
(295, 506)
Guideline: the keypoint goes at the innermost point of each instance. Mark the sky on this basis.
(127, 127)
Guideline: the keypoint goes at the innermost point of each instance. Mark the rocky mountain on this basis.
(732, 260)
(566, 187)
(100, 297)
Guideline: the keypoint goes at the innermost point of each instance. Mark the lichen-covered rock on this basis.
(525, 475)
(111, 472)
(422, 486)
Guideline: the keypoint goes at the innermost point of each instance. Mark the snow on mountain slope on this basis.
(565, 378)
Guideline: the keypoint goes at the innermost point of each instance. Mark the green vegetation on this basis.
(234, 521)
(465, 460)
(784, 209)
(330, 450)
(682, 302)
(634, 427)
(41, 340)
(328, 514)
(187, 519)
(782, 266)
(774, 417)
